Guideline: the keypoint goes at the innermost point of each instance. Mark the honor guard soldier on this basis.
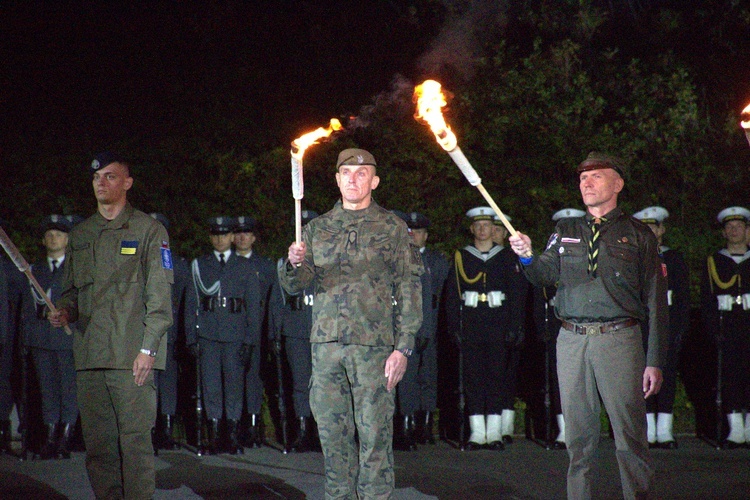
(417, 392)
(725, 307)
(547, 327)
(291, 318)
(245, 231)
(227, 329)
(166, 380)
(659, 414)
(51, 348)
(5, 346)
(508, 416)
(485, 302)
(16, 286)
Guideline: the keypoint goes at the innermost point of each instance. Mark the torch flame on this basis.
(430, 99)
(300, 144)
(745, 115)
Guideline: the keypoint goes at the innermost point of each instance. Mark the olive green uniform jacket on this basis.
(117, 285)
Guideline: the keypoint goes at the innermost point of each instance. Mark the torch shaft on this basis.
(747, 135)
(463, 164)
(298, 221)
(23, 266)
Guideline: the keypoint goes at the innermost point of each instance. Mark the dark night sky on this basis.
(82, 77)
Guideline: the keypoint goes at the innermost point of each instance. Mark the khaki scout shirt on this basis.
(358, 263)
(631, 280)
(117, 285)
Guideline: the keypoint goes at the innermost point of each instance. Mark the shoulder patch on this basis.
(166, 256)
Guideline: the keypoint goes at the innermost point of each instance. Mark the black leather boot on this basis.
(302, 443)
(5, 437)
(49, 449)
(404, 439)
(255, 434)
(233, 428)
(166, 429)
(63, 445)
(213, 436)
(427, 435)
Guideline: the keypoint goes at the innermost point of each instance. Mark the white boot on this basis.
(747, 427)
(736, 429)
(651, 428)
(560, 425)
(664, 431)
(478, 432)
(508, 425)
(494, 425)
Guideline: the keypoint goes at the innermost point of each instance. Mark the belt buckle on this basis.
(482, 297)
(738, 299)
(223, 302)
(591, 329)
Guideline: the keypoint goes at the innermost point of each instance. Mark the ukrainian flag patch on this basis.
(128, 247)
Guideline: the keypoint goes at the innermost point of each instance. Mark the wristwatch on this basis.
(148, 352)
(406, 352)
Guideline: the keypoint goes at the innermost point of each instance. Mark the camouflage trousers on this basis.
(347, 394)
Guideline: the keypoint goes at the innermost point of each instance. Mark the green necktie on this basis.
(594, 243)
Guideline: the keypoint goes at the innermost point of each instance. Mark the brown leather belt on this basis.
(597, 328)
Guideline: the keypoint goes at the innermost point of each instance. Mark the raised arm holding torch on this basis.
(25, 268)
(299, 146)
(745, 123)
(430, 100)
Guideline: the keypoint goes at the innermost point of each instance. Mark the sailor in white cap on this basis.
(725, 307)
(485, 305)
(547, 328)
(659, 414)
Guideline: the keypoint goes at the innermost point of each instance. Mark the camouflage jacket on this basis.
(365, 276)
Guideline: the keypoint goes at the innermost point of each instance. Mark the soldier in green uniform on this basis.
(117, 285)
(610, 280)
(364, 274)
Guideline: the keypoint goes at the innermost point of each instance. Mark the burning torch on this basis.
(25, 268)
(299, 145)
(430, 100)
(745, 123)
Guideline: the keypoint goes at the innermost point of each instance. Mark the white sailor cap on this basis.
(481, 213)
(567, 213)
(496, 219)
(733, 213)
(652, 215)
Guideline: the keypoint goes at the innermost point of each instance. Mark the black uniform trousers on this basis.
(221, 360)
(166, 383)
(57, 383)
(299, 357)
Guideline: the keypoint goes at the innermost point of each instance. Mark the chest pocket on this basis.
(624, 262)
(82, 257)
(573, 262)
(128, 252)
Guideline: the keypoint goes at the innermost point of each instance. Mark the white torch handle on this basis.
(747, 134)
(463, 164)
(298, 185)
(24, 267)
(298, 221)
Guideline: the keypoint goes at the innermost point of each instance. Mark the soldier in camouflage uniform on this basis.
(359, 262)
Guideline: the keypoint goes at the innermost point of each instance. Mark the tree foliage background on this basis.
(536, 85)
